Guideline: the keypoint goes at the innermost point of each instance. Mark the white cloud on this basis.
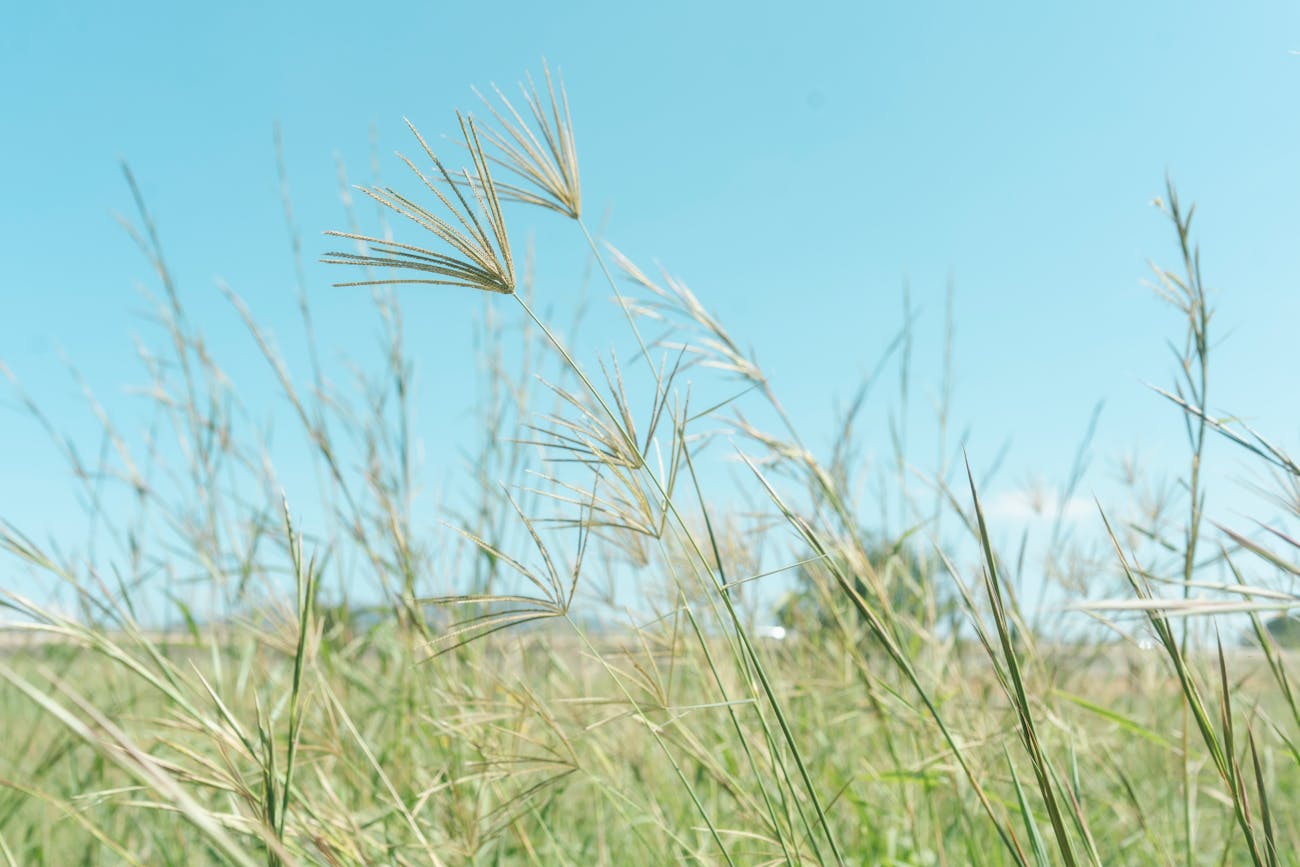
(1031, 504)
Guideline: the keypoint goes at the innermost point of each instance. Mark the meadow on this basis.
(581, 667)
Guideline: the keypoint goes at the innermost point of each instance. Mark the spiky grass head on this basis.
(546, 160)
(480, 248)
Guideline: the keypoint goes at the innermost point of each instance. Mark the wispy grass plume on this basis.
(480, 257)
(545, 159)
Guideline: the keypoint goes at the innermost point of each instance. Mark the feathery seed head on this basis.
(480, 249)
(545, 160)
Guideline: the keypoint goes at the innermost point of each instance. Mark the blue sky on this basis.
(795, 168)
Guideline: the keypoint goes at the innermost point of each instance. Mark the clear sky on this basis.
(795, 166)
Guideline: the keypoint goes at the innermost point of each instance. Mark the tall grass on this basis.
(576, 672)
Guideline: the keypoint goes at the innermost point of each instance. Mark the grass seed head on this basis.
(546, 160)
(480, 248)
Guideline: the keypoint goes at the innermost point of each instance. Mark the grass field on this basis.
(208, 698)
